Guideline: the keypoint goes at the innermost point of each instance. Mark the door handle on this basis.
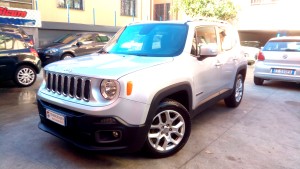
(12, 54)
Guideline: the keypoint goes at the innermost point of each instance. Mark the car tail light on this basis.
(31, 42)
(33, 51)
(260, 56)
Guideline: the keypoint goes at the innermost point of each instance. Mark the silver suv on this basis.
(142, 89)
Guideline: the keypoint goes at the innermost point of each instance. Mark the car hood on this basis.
(54, 45)
(108, 66)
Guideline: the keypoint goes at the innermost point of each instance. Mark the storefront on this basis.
(29, 20)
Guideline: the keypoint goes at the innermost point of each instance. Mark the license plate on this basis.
(55, 117)
(283, 71)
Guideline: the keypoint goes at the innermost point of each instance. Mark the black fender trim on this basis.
(240, 69)
(164, 93)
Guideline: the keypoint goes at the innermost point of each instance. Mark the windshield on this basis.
(149, 40)
(67, 38)
(286, 45)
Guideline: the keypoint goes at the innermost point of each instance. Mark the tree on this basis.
(220, 9)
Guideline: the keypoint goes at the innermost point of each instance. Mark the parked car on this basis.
(250, 53)
(72, 45)
(18, 61)
(279, 60)
(18, 31)
(143, 88)
(251, 50)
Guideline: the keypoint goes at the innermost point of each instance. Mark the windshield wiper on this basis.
(291, 50)
(141, 54)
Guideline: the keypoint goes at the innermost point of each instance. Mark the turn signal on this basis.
(129, 88)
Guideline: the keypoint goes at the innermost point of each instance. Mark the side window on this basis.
(2, 42)
(9, 43)
(6, 42)
(227, 38)
(194, 49)
(204, 35)
(102, 38)
(19, 44)
(86, 39)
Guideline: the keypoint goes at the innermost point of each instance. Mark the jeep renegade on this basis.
(143, 88)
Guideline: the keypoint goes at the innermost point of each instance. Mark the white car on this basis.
(279, 60)
(250, 53)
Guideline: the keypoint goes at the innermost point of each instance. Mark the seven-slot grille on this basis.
(69, 85)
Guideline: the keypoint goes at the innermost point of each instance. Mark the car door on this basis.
(228, 57)
(207, 70)
(84, 45)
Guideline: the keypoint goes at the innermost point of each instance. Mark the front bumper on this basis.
(91, 132)
(47, 59)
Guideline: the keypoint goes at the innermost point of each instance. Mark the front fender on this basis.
(168, 92)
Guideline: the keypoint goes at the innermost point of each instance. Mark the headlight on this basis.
(52, 50)
(109, 89)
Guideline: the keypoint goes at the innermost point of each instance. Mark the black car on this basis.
(18, 61)
(72, 45)
(18, 31)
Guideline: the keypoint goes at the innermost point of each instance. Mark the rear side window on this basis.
(282, 46)
(101, 38)
(6, 42)
(9, 43)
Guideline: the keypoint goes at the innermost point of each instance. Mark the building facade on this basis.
(258, 20)
(21, 13)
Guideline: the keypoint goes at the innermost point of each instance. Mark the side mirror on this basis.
(79, 44)
(207, 50)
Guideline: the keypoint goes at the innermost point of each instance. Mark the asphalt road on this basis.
(262, 133)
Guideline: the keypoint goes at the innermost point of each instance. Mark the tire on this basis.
(258, 81)
(164, 137)
(236, 97)
(25, 76)
(66, 56)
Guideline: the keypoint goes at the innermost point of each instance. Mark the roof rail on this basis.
(209, 20)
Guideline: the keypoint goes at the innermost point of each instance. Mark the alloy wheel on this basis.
(25, 76)
(239, 90)
(166, 131)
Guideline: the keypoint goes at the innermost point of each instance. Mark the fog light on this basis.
(108, 136)
(115, 134)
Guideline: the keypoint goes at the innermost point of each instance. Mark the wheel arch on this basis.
(243, 71)
(180, 92)
(37, 70)
(67, 52)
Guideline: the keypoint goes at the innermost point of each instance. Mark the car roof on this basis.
(283, 38)
(197, 21)
(83, 33)
(11, 34)
(8, 25)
